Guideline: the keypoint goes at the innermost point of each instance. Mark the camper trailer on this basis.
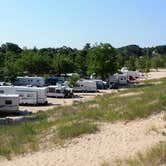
(132, 75)
(9, 103)
(33, 81)
(120, 79)
(59, 91)
(85, 86)
(27, 95)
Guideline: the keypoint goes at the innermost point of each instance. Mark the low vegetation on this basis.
(67, 122)
(76, 129)
(156, 156)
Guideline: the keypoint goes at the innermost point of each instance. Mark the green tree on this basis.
(62, 64)
(102, 60)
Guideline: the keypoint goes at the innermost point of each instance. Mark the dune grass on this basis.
(155, 156)
(76, 129)
(81, 117)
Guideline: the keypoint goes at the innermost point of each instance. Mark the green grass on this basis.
(76, 129)
(155, 156)
(81, 117)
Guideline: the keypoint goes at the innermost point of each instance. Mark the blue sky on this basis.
(54, 23)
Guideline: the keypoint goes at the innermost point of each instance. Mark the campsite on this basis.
(83, 83)
(121, 133)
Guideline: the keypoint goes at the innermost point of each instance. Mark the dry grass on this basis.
(80, 118)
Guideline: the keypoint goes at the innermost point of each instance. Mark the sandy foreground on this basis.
(111, 142)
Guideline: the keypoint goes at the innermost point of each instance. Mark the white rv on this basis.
(130, 74)
(59, 91)
(120, 79)
(33, 81)
(27, 95)
(9, 103)
(85, 86)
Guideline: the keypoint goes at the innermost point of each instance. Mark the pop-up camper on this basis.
(85, 86)
(27, 95)
(33, 81)
(9, 103)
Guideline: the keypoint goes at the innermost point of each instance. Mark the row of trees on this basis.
(101, 59)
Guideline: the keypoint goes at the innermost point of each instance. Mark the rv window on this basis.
(58, 91)
(8, 102)
(21, 95)
(51, 90)
(1, 91)
(29, 95)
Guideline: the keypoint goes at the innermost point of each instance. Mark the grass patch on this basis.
(153, 157)
(76, 129)
(80, 118)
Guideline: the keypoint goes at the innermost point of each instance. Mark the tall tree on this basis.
(102, 60)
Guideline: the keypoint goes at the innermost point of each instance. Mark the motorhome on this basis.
(9, 103)
(27, 95)
(33, 81)
(85, 86)
(59, 91)
(120, 79)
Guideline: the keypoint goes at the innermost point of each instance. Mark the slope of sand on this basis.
(153, 74)
(113, 141)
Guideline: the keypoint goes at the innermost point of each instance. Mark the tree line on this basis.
(99, 59)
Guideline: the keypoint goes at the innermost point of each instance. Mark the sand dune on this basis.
(113, 141)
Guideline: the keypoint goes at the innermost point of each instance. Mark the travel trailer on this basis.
(9, 103)
(59, 91)
(33, 81)
(120, 79)
(132, 75)
(27, 95)
(85, 86)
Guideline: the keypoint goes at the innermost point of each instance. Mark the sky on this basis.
(54, 23)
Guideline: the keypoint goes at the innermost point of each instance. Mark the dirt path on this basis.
(113, 141)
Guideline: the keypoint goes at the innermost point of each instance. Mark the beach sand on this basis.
(112, 142)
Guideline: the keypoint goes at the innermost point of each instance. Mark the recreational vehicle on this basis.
(85, 86)
(120, 79)
(9, 103)
(101, 84)
(27, 95)
(132, 75)
(59, 91)
(33, 81)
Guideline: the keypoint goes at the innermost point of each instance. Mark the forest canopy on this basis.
(102, 59)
